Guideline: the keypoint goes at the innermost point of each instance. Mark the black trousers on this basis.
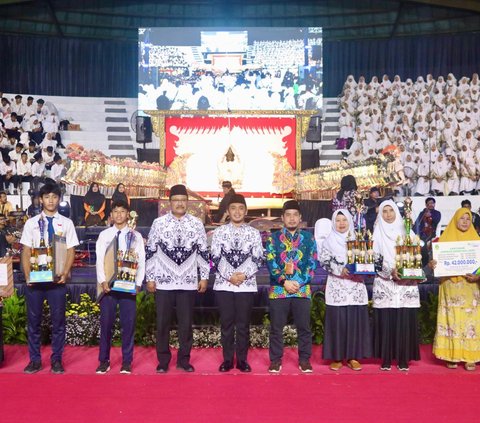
(108, 312)
(56, 298)
(183, 301)
(279, 311)
(235, 312)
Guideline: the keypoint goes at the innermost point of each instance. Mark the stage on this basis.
(429, 392)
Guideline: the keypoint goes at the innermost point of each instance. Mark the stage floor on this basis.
(428, 393)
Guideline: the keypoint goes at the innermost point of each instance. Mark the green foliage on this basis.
(427, 317)
(14, 320)
(317, 316)
(146, 319)
(83, 323)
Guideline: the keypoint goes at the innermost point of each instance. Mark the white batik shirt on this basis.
(236, 249)
(176, 248)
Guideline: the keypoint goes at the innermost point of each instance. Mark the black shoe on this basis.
(244, 367)
(187, 367)
(126, 369)
(226, 366)
(403, 367)
(33, 367)
(305, 366)
(162, 368)
(103, 368)
(386, 366)
(57, 368)
(275, 367)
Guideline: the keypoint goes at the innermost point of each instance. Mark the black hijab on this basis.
(348, 183)
(119, 196)
(94, 199)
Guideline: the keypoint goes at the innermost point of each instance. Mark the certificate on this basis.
(456, 258)
(6, 277)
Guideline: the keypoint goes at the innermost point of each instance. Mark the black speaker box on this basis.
(144, 129)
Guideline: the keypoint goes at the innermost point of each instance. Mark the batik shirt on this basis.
(299, 248)
(176, 248)
(236, 249)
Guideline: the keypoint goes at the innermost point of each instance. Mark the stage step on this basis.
(120, 147)
(115, 102)
(116, 119)
(115, 110)
(119, 138)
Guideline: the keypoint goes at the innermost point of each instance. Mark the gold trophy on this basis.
(408, 257)
(127, 261)
(360, 245)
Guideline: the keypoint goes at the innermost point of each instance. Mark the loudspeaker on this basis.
(150, 155)
(317, 52)
(314, 132)
(144, 129)
(310, 159)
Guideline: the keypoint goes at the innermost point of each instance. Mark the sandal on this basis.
(470, 367)
(354, 365)
(336, 365)
(451, 365)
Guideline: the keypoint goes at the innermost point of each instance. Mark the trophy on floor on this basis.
(121, 266)
(360, 259)
(408, 256)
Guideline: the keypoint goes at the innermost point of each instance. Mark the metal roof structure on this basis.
(340, 19)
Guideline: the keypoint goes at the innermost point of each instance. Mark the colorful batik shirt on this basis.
(300, 249)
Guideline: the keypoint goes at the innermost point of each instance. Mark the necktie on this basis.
(51, 230)
(118, 239)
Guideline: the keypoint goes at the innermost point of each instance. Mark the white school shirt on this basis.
(56, 171)
(23, 168)
(62, 225)
(38, 169)
(104, 240)
(4, 168)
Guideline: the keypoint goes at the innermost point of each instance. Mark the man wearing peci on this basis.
(176, 248)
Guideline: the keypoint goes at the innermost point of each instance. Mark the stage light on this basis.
(64, 208)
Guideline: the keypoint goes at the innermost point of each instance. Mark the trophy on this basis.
(360, 259)
(41, 258)
(408, 256)
(126, 261)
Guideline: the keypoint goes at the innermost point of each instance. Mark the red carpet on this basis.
(429, 392)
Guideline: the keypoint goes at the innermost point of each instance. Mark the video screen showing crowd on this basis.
(365, 240)
(433, 125)
(30, 144)
(235, 69)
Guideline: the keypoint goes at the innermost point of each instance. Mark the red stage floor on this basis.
(429, 392)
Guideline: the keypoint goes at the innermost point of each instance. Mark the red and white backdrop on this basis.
(263, 160)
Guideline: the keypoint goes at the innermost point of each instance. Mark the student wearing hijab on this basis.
(94, 205)
(457, 338)
(120, 194)
(347, 332)
(395, 301)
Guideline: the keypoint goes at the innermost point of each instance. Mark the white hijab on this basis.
(336, 242)
(385, 234)
(323, 227)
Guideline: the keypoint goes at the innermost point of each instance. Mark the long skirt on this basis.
(458, 322)
(396, 335)
(347, 333)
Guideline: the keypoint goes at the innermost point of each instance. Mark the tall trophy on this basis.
(408, 256)
(126, 261)
(41, 258)
(360, 260)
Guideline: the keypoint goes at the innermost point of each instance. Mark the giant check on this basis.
(456, 258)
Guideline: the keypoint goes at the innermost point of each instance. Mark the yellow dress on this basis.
(458, 321)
